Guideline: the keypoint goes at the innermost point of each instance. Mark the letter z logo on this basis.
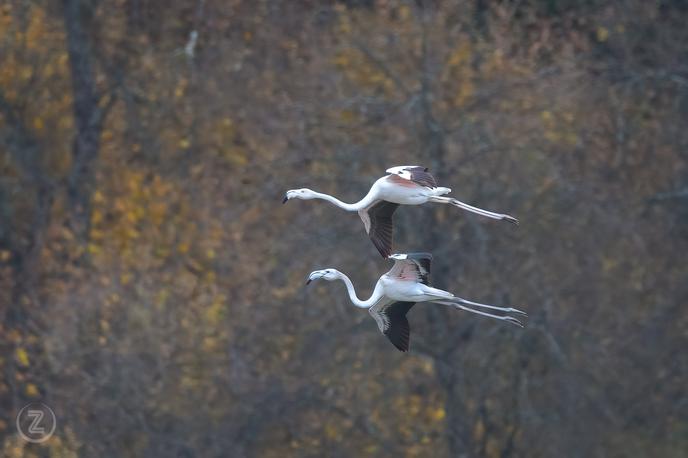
(35, 426)
(36, 422)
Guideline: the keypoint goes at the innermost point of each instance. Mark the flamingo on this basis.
(406, 284)
(404, 185)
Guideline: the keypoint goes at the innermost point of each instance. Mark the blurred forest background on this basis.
(152, 285)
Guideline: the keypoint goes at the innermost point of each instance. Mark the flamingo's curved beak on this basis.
(284, 201)
(313, 276)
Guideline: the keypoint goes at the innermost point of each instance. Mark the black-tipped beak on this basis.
(511, 219)
(284, 201)
(309, 280)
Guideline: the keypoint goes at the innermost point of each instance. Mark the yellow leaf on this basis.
(602, 34)
(331, 431)
(460, 55)
(479, 431)
(209, 344)
(96, 217)
(22, 357)
(31, 390)
(216, 311)
(38, 123)
(608, 264)
(162, 297)
(97, 235)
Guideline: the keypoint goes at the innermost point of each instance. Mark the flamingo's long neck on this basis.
(360, 205)
(354, 298)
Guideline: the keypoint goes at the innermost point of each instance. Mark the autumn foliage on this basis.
(152, 286)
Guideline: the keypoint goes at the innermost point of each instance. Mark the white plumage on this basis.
(405, 185)
(406, 284)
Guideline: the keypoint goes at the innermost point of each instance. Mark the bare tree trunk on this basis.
(88, 116)
(433, 138)
(457, 428)
(25, 248)
(26, 154)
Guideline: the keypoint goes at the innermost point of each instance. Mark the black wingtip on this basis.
(284, 201)
(401, 348)
(381, 249)
(308, 282)
(384, 251)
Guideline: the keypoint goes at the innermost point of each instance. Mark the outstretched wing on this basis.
(416, 174)
(411, 267)
(378, 224)
(392, 322)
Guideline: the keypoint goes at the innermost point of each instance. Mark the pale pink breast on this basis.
(398, 181)
(407, 274)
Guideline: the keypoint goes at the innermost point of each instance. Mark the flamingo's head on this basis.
(325, 274)
(303, 193)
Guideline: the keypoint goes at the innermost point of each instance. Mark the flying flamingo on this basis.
(405, 185)
(400, 289)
